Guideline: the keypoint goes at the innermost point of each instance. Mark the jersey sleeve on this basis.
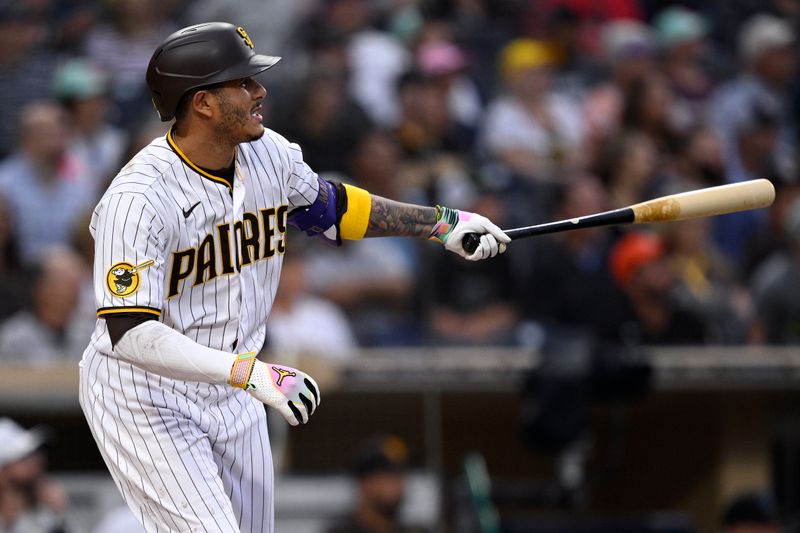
(303, 183)
(129, 260)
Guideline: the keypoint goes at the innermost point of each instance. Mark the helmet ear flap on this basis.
(155, 105)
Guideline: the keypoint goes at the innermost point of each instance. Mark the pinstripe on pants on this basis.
(185, 456)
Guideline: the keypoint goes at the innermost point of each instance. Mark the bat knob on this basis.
(470, 242)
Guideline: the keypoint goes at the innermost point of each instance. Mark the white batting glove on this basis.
(452, 225)
(292, 392)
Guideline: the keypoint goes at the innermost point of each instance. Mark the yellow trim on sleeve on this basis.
(355, 220)
(113, 310)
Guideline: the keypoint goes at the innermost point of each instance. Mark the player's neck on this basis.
(204, 150)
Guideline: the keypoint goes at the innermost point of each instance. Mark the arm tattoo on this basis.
(388, 218)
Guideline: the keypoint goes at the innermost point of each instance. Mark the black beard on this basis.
(257, 136)
(233, 119)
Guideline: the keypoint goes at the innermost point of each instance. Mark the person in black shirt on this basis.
(380, 470)
(647, 313)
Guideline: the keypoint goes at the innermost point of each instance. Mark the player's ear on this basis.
(203, 103)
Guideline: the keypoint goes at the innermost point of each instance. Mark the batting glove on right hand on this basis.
(452, 225)
(292, 392)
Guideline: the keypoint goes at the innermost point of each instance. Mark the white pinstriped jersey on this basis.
(216, 252)
(175, 241)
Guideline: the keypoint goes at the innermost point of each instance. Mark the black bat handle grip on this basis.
(470, 242)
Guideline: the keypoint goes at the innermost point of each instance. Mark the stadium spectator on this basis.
(372, 280)
(435, 164)
(576, 57)
(70, 22)
(649, 109)
(122, 44)
(474, 303)
(30, 502)
(324, 120)
(142, 134)
(627, 165)
(272, 24)
(708, 281)
(766, 50)
(776, 286)
(566, 276)
(756, 135)
(536, 133)
(443, 63)
(482, 28)
(303, 323)
(96, 145)
(628, 51)
(52, 331)
(375, 58)
(380, 472)
(646, 312)
(41, 182)
(697, 161)
(682, 36)
(424, 130)
(26, 66)
(605, 12)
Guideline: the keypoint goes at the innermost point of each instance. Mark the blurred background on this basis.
(619, 379)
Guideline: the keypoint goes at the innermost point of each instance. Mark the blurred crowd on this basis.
(523, 110)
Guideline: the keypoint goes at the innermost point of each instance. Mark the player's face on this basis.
(240, 118)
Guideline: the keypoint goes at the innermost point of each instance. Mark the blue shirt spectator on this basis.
(40, 183)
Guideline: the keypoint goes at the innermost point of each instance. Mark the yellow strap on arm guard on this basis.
(355, 220)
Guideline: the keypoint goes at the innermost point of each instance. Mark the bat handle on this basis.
(470, 242)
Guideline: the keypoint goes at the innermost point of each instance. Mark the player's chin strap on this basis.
(340, 211)
(160, 349)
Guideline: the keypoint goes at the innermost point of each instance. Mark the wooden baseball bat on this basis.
(707, 202)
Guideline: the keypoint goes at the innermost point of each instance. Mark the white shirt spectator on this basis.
(24, 339)
(312, 325)
(509, 126)
(377, 60)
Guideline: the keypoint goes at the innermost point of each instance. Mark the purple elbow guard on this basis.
(319, 216)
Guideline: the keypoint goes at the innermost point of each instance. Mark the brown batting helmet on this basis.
(200, 55)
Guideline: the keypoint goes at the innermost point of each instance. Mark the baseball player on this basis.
(189, 239)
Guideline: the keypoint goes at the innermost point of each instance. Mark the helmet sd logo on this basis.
(244, 36)
(123, 278)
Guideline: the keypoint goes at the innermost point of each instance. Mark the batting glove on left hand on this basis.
(452, 225)
(292, 392)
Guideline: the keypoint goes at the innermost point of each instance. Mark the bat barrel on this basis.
(712, 201)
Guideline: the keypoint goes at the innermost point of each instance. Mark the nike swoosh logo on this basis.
(187, 212)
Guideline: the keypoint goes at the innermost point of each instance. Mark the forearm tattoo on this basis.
(388, 217)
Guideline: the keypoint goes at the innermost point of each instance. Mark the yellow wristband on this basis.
(241, 369)
(355, 220)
